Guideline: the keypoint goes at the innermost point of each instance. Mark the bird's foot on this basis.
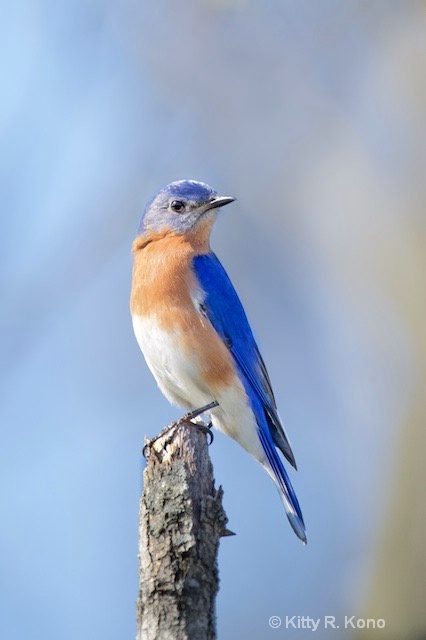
(188, 420)
(197, 412)
(204, 428)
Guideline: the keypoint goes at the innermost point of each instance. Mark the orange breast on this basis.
(164, 285)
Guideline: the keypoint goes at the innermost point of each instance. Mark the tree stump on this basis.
(181, 521)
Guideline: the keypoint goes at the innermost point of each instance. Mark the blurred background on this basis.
(313, 115)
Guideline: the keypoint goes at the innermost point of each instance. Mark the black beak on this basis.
(220, 202)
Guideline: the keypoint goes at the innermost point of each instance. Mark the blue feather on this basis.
(225, 312)
(227, 315)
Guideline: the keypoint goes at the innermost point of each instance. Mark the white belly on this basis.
(179, 380)
(176, 376)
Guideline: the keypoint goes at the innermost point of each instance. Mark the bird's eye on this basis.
(178, 206)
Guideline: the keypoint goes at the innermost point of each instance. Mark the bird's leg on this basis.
(197, 412)
(187, 419)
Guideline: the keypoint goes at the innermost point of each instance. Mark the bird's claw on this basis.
(145, 449)
(187, 419)
(204, 428)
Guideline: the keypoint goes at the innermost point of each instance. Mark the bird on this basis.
(194, 333)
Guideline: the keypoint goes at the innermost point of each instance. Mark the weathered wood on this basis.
(181, 520)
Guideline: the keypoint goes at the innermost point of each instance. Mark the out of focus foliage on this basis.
(312, 114)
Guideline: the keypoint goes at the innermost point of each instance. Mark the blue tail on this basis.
(285, 488)
(288, 495)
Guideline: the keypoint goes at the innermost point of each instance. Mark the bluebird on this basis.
(194, 333)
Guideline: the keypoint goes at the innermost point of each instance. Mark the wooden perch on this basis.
(181, 520)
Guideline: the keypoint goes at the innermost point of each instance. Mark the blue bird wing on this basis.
(225, 311)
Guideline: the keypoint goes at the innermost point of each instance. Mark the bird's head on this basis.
(181, 208)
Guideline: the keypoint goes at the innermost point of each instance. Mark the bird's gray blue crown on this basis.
(179, 207)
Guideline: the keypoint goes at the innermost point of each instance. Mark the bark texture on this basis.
(181, 520)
